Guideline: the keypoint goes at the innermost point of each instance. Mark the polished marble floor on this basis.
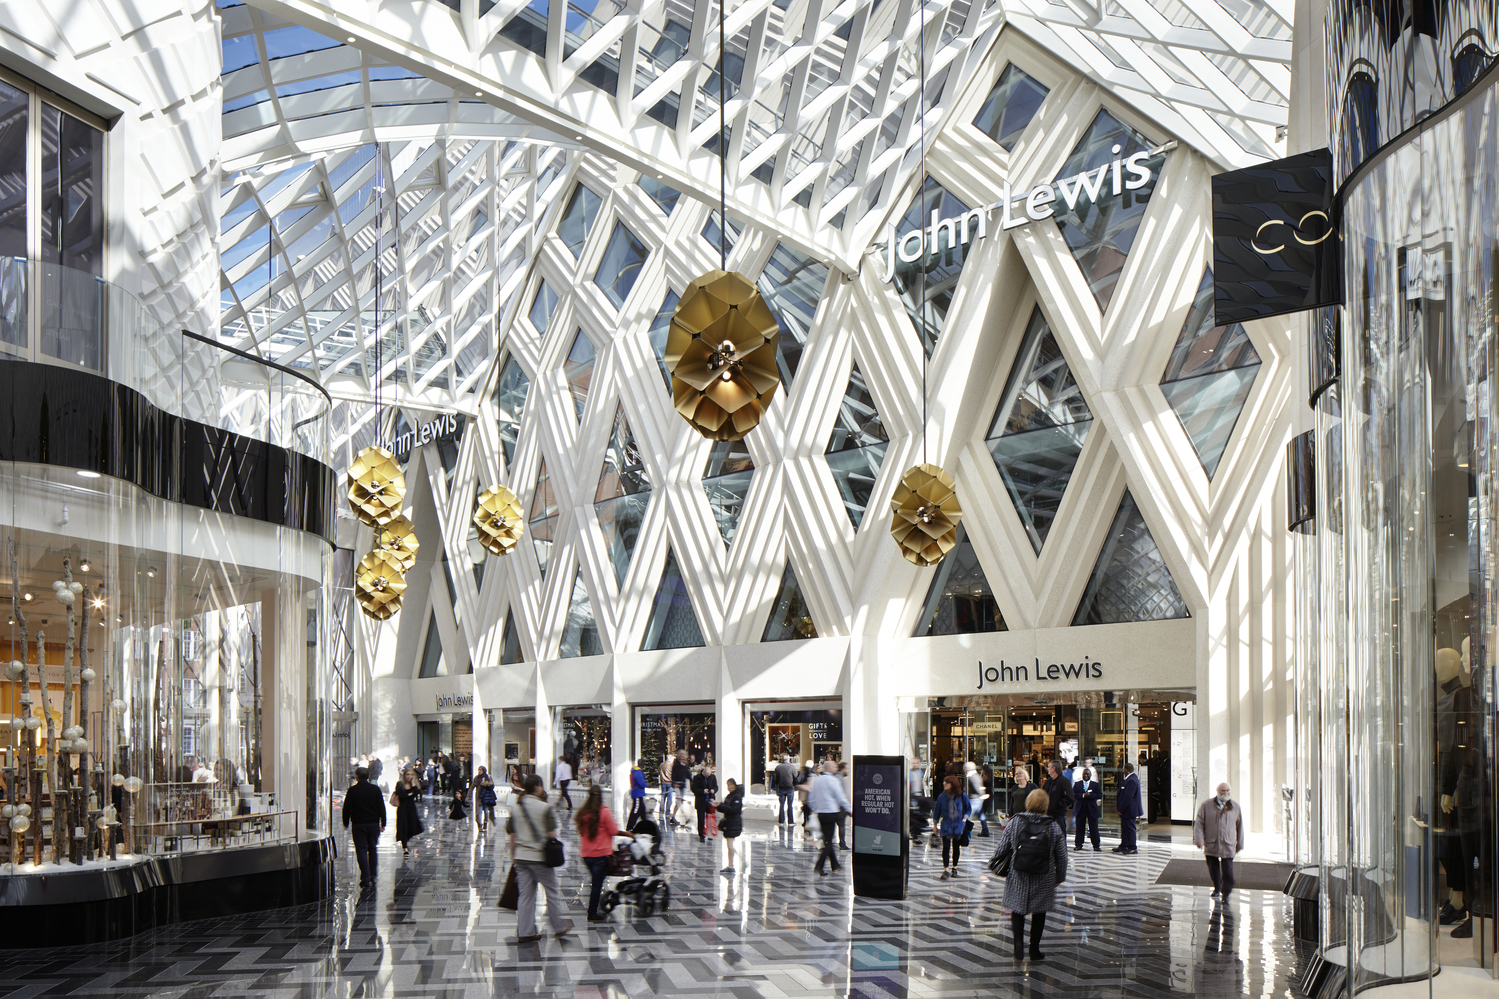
(430, 928)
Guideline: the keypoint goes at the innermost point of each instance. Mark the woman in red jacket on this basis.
(596, 832)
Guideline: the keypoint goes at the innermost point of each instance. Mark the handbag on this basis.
(395, 800)
(510, 894)
(552, 854)
(999, 864)
(967, 828)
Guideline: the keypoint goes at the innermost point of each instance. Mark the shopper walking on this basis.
(977, 796)
(637, 795)
(804, 788)
(704, 793)
(785, 788)
(1059, 792)
(364, 817)
(847, 780)
(1088, 808)
(432, 771)
(1127, 804)
(408, 823)
(596, 832)
(952, 819)
(484, 798)
(731, 821)
(564, 777)
(828, 801)
(530, 824)
(1218, 831)
(1038, 863)
(681, 773)
(376, 770)
(1020, 791)
(666, 800)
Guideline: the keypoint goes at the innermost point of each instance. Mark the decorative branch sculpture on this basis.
(62, 812)
(85, 676)
(36, 783)
(18, 840)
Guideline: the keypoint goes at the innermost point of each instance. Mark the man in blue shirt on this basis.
(829, 801)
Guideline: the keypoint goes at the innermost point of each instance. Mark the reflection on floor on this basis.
(431, 928)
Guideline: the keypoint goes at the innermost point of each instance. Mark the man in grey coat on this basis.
(1219, 831)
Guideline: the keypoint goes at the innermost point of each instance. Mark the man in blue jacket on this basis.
(1088, 795)
(1128, 805)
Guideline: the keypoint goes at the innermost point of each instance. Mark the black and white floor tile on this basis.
(430, 928)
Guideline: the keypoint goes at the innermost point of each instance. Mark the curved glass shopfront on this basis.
(1401, 567)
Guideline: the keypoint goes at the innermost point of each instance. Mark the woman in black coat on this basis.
(1033, 893)
(408, 823)
(731, 820)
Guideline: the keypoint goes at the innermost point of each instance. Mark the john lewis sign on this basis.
(1129, 173)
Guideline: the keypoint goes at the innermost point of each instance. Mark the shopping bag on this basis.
(712, 821)
(510, 894)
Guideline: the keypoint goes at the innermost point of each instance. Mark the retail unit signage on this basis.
(444, 427)
(1128, 173)
(1276, 247)
(451, 702)
(1026, 673)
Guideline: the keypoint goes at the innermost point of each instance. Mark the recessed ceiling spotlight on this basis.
(26, 597)
(83, 566)
(151, 572)
(84, 473)
(351, 39)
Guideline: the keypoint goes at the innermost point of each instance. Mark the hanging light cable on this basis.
(924, 509)
(722, 343)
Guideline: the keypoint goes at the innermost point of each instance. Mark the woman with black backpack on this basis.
(1038, 863)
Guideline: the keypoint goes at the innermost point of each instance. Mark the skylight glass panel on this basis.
(710, 232)
(1130, 581)
(663, 195)
(433, 663)
(926, 285)
(528, 28)
(790, 618)
(1039, 430)
(294, 41)
(1101, 233)
(624, 492)
(509, 401)
(510, 642)
(542, 522)
(856, 448)
(577, 220)
(726, 480)
(580, 632)
(578, 370)
(960, 600)
(542, 307)
(660, 327)
(1010, 107)
(792, 285)
(673, 622)
(239, 53)
(620, 266)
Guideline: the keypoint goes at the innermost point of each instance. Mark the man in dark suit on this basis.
(1088, 796)
(364, 817)
(1130, 809)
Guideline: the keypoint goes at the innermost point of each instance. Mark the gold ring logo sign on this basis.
(1295, 233)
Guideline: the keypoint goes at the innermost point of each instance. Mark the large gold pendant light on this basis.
(376, 486)
(924, 511)
(379, 584)
(398, 540)
(925, 515)
(721, 346)
(498, 518)
(721, 352)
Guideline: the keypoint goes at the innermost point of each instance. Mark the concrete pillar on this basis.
(621, 732)
(728, 726)
(546, 743)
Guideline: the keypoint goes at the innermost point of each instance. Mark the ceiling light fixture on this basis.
(84, 473)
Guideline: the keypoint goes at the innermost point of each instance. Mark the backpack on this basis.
(1033, 847)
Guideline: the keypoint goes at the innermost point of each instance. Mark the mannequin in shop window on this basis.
(1458, 763)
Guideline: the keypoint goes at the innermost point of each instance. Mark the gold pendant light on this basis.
(498, 518)
(376, 486)
(398, 539)
(925, 515)
(721, 352)
(379, 584)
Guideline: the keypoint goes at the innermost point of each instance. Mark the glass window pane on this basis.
(673, 622)
(528, 29)
(620, 265)
(433, 661)
(509, 400)
(855, 471)
(510, 643)
(791, 285)
(1010, 107)
(580, 633)
(1130, 581)
(790, 618)
(930, 295)
(577, 221)
(578, 370)
(660, 327)
(1100, 234)
(15, 112)
(542, 307)
(960, 600)
(665, 197)
(543, 518)
(727, 480)
(623, 493)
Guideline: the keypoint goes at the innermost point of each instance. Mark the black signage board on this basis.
(1276, 247)
(881, 812)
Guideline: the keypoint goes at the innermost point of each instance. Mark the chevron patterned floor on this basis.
(431, 929)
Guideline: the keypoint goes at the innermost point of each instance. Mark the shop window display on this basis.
(805, 735)
(661, 734)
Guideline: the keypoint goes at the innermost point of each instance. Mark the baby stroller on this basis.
(641, 851)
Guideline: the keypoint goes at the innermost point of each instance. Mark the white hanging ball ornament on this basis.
(72, 732)
(8, 811)
(75, 587)
(23, 809)
(88, 674)
(59, 584)
(133, 784)
(15, 670)
(117, 706)
(117, 780)
(33, 723)
(80, 745)
(103, 823)
(16, 724)
(20, 824)
(65, 597)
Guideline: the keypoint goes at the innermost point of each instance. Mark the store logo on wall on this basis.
(445, 427)
(448, 702)
(1085, 670)
(1275, 242)
(1112, 179)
